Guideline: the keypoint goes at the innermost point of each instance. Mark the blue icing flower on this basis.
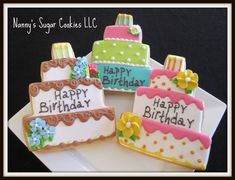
(82, 62)
(48, 132)
(40, 133)
(34, 139)
(79, 70)
(51, 131)
(37, 124)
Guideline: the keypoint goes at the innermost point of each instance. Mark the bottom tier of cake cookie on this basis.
(64, 130)
(171, 143)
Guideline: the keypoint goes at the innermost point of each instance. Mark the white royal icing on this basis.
(43, 101)
(82, 131)
(145, 107)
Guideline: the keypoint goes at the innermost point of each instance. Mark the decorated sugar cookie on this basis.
(166, 119)
(122, 59)
(67, 106)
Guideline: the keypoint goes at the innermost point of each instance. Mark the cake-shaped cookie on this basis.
(122, 58)
(166, 119)
(67, 106)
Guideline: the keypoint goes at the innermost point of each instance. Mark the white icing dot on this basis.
(137, 54)
(97, 43)
(121, 52)
(187, 79)
(96, 57)
(104, 51)
(130, 46)
(128, 125)
(143, 60)
(128, 59)
(114, 44)
(113, 58)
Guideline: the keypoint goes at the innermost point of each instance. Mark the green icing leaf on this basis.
(97, 75)
(133, 137)
(87, 72)
(137, 34)
(175, 80)
(42, 141)
(188, 91)
(120, 134)
(72, 76)
(50, 139)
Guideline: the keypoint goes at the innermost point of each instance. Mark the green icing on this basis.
(133, 137)
(118, 51)
(188, 91)
(175, 80)
(120, 134)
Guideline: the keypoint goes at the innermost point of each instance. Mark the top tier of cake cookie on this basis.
(63, 64)
(174, 76)
(123, 29)
(122, 44)
(57, 69)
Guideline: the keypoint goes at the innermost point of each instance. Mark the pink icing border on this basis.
(169, 74)
(174, 96)
(179, 133)
(121, 33)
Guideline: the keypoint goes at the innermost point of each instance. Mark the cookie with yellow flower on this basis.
(166, 118)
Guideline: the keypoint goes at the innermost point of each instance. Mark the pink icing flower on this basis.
(93, 70)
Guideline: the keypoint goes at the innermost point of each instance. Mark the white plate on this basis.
(108, 155)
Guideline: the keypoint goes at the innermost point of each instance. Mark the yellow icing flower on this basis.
(187, 80)
(129, 124)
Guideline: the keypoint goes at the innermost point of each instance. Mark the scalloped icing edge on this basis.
(177, 132)
(111, 62)
(150, 93)
(27, 119)
(162, 72)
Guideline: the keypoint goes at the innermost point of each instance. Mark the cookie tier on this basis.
(72, 128)
(177, 145)
(72, 95)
